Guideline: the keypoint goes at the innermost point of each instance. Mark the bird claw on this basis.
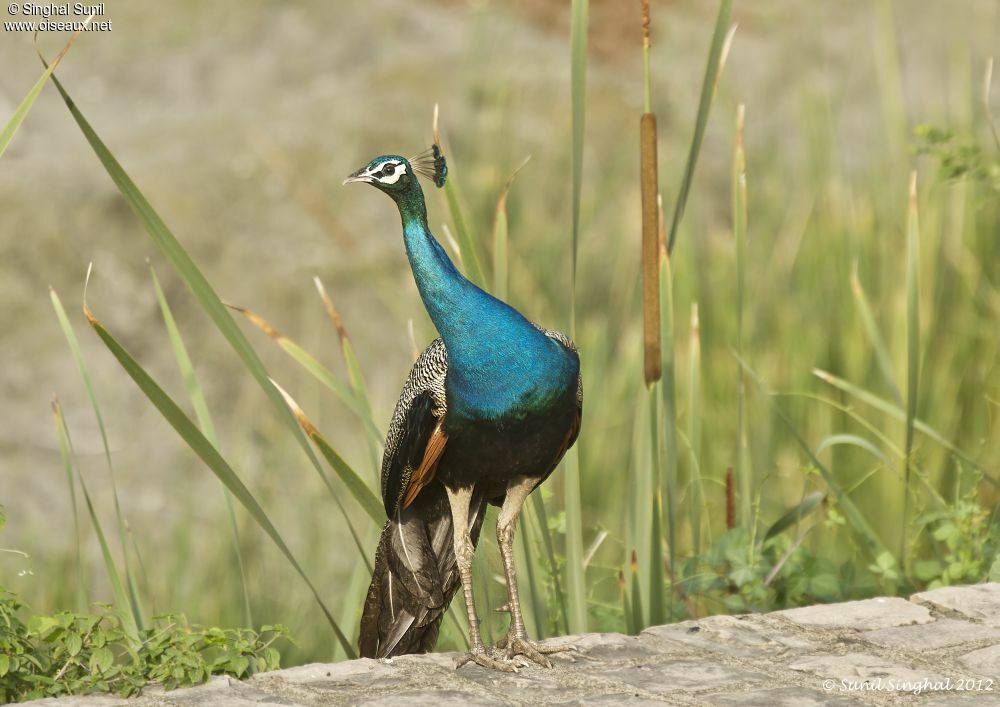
(489, 660)
(513, 646)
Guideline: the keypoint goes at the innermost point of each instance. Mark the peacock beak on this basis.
(359, 176)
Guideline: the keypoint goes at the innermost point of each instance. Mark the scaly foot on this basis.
(513, 645)
(489, 659)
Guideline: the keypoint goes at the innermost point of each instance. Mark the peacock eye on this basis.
(389, 170)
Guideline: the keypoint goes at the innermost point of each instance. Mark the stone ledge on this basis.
(876, 652)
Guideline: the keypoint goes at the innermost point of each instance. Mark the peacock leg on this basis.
(459, 500)
(516, 641)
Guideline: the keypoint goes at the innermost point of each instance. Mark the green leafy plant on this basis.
(72, 654)
(966, 544)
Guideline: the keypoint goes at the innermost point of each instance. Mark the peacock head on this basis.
(397, 175)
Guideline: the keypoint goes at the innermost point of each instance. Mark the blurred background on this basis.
(239, 120)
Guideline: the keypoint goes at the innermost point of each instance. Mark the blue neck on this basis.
(498, 362)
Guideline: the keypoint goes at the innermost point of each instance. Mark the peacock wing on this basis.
(416, 438)
(574, 431)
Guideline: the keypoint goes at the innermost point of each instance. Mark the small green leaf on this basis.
(100, 660)
(825, 585)
(74, 643)
(238, 666)
(4, 664)
(40, 625)
(926, 570)
(945, 532)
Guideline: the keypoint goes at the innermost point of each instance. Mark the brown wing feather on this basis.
(415, 440)
(424, 473)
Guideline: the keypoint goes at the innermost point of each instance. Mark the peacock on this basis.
(486, 414)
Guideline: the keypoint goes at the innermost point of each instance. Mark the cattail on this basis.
(648, 179)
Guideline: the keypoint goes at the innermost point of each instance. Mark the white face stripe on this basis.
(376, 172)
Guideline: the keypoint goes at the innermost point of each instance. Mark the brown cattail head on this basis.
(650, 248)
(645, 23)
(730, 499)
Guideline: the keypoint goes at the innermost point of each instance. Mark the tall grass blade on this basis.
(575, 571)
(874, 337)
(318, 371)
(851, 512)
(854, 441)
(122, 602)
(912, 353)
(649, 490)
(637, 616)
(713, 68)
(739, 190)
(657, 614)
(362, 494)
(668, 396)
(500, 237)
(987, 88)
(207, 427)
(456, 249)
(332, 457)
(467, 247)
(850, 412)
(356, 377)
(200, 445)
(74, 346)
(795, 515)
(353, 596)
(898, 413)
(578, 96)
(65, 449)
(694, 429)
(889, 73)
(630, 628)
(543, 522)
(196, 282)
(482, 578)
(21, 112)
(527, 559)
